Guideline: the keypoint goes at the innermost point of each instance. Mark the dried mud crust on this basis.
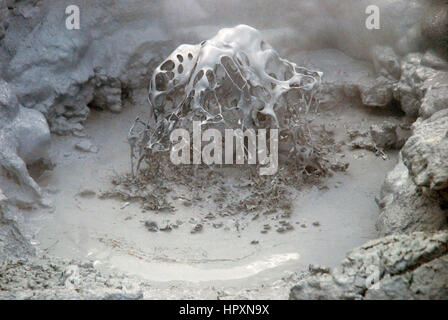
(233, 189)
(408, 267)
(58, 279)
(53, 278)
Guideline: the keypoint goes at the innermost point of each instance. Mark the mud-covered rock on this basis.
(422, 90)
(380, 92)
(17, 20)
(396, 267)
(63, 280)
(405, 207)
(414, 195)
(24, 139)
(409, 89)
(436, 96)
(350, 80)
(107, 92)
(428, 281)
(68, 70)
(12, 241)
(433, 60)
(426, 152)
(381, 137)
(377, 93)
(386, 62)
(385, 135)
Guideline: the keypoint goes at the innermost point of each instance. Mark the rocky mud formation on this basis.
(410, 266)
(426, 152)
(13, 244)
(422, 89)
(24, 139)
(414, 194)
(84, 68)
(405, 207)
(406, 263)
(61, 279)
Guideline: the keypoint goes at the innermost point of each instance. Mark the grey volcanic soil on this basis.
(233, 261)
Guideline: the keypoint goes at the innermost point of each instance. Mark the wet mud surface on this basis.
(193, 250)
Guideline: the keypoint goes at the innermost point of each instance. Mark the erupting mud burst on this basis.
(232, 81)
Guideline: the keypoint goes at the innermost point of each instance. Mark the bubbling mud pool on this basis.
(235, 250)
(198, 232)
